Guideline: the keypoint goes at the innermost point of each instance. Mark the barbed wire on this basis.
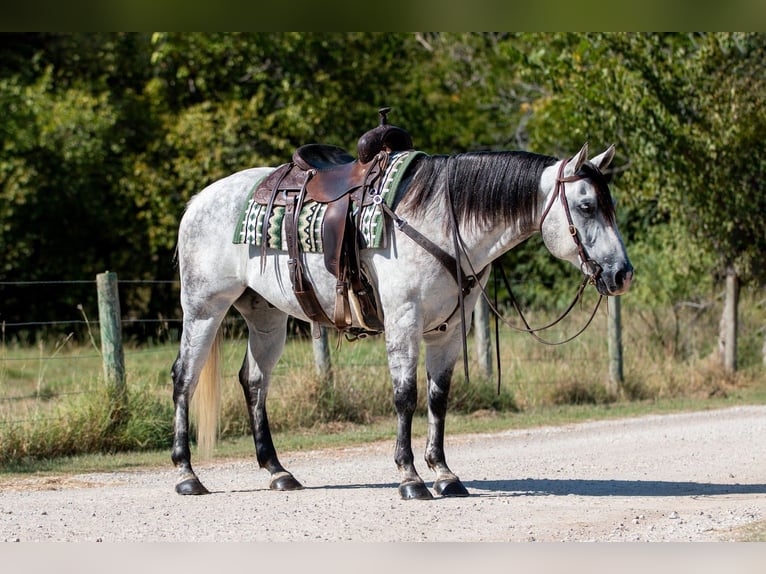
(46, 397)
(230, 321)
(84, 322)
(88, 281)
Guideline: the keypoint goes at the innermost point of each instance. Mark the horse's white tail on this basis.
(206, 404)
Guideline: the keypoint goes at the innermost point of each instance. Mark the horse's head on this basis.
(579, 225)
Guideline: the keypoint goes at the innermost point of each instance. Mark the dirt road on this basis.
(684, 477)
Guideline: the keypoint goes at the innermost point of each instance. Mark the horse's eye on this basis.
(587, 208)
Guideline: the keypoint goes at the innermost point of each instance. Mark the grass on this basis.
(56, 415)
(753, 532)
(330, 435)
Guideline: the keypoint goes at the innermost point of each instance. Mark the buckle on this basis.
(592, 270)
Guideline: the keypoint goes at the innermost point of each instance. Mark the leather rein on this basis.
(466, 282)
(590, 269)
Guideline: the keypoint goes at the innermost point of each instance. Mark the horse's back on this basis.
(223, 198)
(206, 232)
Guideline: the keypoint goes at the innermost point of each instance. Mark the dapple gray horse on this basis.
(497, 200)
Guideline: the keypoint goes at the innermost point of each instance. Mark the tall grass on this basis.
(53, 401)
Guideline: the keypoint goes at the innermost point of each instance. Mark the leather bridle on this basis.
(466, 281)
(588, 266)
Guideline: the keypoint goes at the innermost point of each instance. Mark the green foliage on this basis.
(673, 270)
(685, 111)
(83, 423)
(106, 136)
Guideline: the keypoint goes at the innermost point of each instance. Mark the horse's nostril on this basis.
(623, 277)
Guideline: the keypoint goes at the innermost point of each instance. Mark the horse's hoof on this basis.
(191, 486)
(450, 487)
(415, 491)
(285, 482)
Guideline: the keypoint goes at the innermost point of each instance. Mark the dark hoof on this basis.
(415, 491)
(450, 487)
(191, 486)
(285, 482)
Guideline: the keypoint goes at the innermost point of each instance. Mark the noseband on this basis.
(588, 266)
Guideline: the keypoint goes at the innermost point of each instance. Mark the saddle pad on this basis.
(249, 229)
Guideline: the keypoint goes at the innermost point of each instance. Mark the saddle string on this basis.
(264, 231)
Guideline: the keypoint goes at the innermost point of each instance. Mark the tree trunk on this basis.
(727, 340)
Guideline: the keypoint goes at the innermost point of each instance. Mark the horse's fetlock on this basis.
(180, 455)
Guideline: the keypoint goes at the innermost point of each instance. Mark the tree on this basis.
(686, 111)
(106, 137)
(71, 118)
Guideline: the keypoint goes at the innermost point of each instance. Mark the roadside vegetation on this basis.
(54, 404)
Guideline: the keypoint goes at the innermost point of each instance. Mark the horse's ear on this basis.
(580, 158)
(601, 161)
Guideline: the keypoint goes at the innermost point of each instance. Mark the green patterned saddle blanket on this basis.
(249, 229)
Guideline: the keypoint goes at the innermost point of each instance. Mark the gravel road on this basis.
(681, 477)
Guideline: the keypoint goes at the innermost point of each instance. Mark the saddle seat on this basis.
(321, 156)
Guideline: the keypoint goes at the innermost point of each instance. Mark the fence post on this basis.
(615, 344)
(322, 355)
(111, 341)
(483, 341)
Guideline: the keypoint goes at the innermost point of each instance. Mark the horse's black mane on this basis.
(490, 188)
(486, 187)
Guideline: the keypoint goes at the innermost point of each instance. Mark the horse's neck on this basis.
(484, 242)
(486, 245)
(483, 247)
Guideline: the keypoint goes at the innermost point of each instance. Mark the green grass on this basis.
(56, 414)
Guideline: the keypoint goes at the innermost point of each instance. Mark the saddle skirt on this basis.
(372, 227)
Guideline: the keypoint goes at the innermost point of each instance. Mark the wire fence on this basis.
(37, 357)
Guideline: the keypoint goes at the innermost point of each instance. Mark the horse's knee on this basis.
(178, 376)
(439, 386)
(405, 397)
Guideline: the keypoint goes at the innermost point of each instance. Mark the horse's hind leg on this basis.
(440, 361)
(196, 342)
(267, 330)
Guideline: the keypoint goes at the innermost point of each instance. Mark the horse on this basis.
(475, 206)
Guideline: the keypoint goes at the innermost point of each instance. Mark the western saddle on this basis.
(330, 175)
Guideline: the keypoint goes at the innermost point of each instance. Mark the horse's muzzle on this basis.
(617, 283)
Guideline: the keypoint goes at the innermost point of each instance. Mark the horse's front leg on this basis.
(440, 361)
(402, 357)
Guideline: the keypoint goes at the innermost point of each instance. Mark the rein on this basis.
(466, 282)
(590, 269)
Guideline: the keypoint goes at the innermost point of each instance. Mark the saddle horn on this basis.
(392, 138)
